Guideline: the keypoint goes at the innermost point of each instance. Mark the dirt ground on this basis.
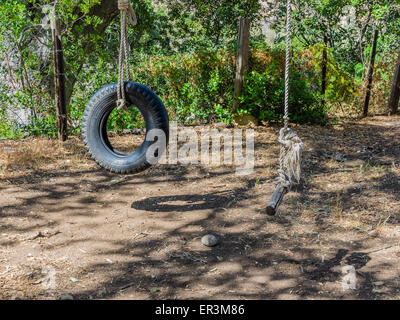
(69, 228)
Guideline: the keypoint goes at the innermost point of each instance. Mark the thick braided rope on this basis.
(123, 69)
(291, 144)
(290, 160)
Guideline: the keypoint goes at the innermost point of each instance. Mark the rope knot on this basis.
(290, 158)
(121, 105)
(283, 180)
(124, 4)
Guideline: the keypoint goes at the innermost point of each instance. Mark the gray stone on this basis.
(339, 157)
(209, 240)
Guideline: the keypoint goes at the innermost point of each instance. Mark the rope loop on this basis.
(124, 74)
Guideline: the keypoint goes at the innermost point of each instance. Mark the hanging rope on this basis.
(287, 65)
(291, 144)
(124, 74)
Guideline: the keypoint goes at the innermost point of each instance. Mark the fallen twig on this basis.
(44, 235)
(131, 284)
(384, 248)
(145, 233)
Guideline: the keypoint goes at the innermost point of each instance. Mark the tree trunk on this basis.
(395, 93)
(242, 60)
(370, 73)
(324, 68)
(59, 82)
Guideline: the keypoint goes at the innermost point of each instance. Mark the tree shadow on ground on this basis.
(258, 257)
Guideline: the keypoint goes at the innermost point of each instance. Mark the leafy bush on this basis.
(196, 86)
(6, 128)
(264, 90)
(199, 86)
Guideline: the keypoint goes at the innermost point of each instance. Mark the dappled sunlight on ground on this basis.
(138, 236)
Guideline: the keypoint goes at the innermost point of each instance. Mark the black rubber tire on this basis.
(94, 126)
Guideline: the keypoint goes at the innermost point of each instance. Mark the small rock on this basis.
(339, 157)
(66, 297)
(209, 240)
(73, 279)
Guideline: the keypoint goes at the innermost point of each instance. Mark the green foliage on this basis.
(264, 93)
(45, 125)
(208, 22)
(340, 85)
(6, 128)
(193, 86)
(185, 51)
(199, 86)
(126, 119)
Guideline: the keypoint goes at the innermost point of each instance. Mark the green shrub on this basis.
(192, 86)
(6, 128)
(199, 86)
(264, 92)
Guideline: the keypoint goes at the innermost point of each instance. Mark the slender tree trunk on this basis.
(242, 59)
(59, 82)
(324, 68)
(395, 93)
(370, 73)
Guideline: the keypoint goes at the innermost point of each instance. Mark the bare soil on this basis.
(97, 235)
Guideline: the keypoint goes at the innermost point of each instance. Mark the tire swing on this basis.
(291, 144)
(123, 95)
